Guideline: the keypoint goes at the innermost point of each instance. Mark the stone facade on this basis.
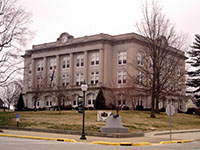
(100, 60)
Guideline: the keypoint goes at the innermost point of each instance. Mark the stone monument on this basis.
(114, 125)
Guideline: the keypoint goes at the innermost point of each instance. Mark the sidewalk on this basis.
(151, 137)
(178, 134)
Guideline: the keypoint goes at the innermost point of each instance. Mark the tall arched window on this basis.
(75, 100)
(50, 101)
(90, 99)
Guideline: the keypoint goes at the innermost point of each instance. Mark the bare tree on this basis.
(122, 94)
(11, 92)
(120, 97)
(38, 89)
(60, 93)
(158, 69)
(36, 96)
(13, 34)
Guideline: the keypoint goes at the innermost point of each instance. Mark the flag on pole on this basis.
(52, 75)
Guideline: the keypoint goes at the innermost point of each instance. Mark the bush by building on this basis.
(100, 102)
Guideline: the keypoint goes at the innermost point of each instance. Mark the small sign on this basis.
(103, 115)
(170, 109)
(17, 117)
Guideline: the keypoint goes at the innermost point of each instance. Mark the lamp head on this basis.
(84, 87)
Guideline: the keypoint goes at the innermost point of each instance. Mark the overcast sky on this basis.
(87, 17)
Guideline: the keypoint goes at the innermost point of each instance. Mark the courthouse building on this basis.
(100, 60)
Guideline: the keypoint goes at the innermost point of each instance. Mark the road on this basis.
(7, 143)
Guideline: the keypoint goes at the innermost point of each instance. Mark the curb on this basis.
(97, 142)
(39, 138)
(139, 144)
(177, 132)
(178, 141)
(121, 143)
(97, 134)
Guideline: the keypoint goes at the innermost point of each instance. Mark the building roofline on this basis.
(88, 39)
(83, 40)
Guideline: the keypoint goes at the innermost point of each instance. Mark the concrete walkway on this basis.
(177, 134)
(151, 137)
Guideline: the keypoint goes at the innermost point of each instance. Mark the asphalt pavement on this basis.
(8, 143)
(179, 136)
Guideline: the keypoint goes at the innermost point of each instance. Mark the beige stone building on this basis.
(100, 60)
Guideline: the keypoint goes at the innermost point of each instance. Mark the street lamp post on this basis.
(84, 87)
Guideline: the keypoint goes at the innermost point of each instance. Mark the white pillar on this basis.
(101, 66)
(57, 71)
(33, 74)
(85, 66)
(26, 74)
(71, 70)
(45, 77)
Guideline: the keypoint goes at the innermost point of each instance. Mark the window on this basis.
(122, 56)
(75, 100)
(121, 77)
(29, 68)
(89, 102)
(180, 104)
(48, 103)
(52, 64)
(91, 99)
(121, 99)
(140, 78)
(29, 84)
(66, 62)
(121, 102)
(94, 59)
(79, 78)
(139, 102)
(39, 65)
(94, 77)
(63, 101)
(63, 63)
(38, 103)
(39, 81)
(80, 60)
(140, 59)
(179, 71)
(65, 79)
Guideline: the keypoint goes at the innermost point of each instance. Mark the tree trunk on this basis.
(35, 105)
(133, 104)
(152, 106)
(153, 96)
(59, 104)
(157, 89)
(8, 106)
(157, 104)
(59, 110)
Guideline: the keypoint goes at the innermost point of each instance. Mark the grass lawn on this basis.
(71, 120)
